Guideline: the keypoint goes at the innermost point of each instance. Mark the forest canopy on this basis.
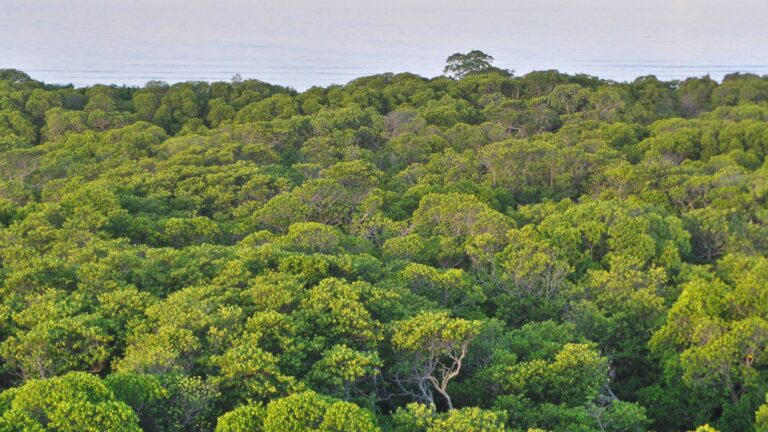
(482, 252)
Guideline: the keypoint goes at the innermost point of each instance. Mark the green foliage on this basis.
(74, 402)
(435, 346)
(143, 393)
(309, 411)
(483, 252)
(761, 418)
(423, 418)
(56, 345)
(341, 368)
(474, 61)
(469, 420)
(245, 418)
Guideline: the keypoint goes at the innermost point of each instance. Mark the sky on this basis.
(317, 42)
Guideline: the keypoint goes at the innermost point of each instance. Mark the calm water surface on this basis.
(319, 42)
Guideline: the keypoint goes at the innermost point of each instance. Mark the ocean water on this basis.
(301, 43)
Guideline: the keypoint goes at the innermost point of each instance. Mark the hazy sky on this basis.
(305, 42)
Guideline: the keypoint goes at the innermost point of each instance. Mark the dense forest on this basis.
(472, 252)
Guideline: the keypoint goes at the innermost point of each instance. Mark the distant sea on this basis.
(301, 43)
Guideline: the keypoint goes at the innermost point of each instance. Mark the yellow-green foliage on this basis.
(473, 252)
